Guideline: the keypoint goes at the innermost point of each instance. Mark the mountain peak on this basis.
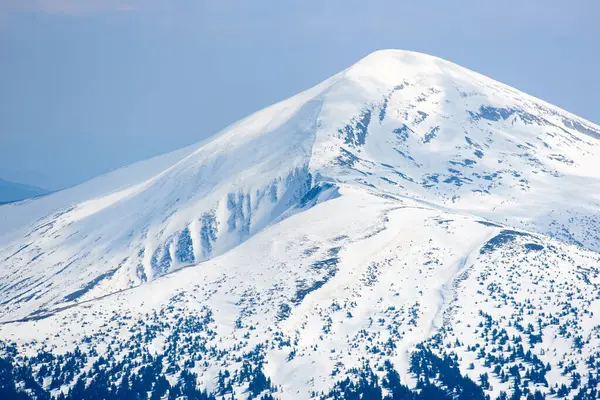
(408, 57)
(390, 65)
(397, 122)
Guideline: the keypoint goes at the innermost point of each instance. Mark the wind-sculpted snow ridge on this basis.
(407, 229)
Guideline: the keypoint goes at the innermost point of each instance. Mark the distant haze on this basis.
(89, 86)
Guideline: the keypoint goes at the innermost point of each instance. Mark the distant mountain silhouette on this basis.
(12, 191)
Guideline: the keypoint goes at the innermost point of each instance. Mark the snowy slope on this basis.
(406, 204)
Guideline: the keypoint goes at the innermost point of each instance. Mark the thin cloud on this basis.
(65, 7)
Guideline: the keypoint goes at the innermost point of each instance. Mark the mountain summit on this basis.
(406, 215)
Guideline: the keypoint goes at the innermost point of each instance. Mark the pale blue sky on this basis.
(87, 86)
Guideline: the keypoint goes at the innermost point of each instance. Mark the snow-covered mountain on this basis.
(405, 228)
